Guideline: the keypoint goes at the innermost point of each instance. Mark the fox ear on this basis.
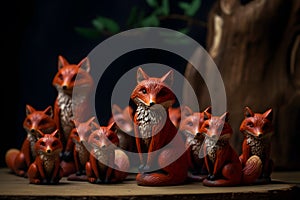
(225, 117)
(84, 64)
(49, 111)
(62, 62)
(268, 115)
(208, 109)
(248, 112)
(168, 78)
(56, 134)
(40, 134)
(141, 75)
(29, 109)
(207, 115)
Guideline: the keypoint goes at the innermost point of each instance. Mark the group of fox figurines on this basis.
(60, 144)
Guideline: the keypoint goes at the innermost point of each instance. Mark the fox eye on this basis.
(42, 144)
(28, 122)
(60, 76)
(97, 137)
(74, 78)
(206, 126)
(250, 124)
(190, 123)
(144, 91)
(43, 122)
(55, 143)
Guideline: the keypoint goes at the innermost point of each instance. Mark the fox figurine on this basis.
(46, 168)
(257, 129)
(107, 163)
(17, 160)
(75, 144)
(221, 160)
(154, 131)
(190, 130)
(68, 105)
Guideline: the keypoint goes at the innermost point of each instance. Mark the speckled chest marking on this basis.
(83, 153)
(32, 141)
(147, 117)
(257, 146)
(194, 144)
(212, 147)
(66, 114)
(49, 162)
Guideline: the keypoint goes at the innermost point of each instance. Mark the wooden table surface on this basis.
(284, 185)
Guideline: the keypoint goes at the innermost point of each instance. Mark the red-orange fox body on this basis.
(106, 164)
(75, 144)
(257, 129)
(70, 105)
(190, 130)
(221, 160)
(154, 130)
(36, 120)
(46, 168)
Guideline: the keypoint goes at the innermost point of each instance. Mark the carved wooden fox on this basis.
(221, 160)
(257, 130)
(154, 130)
(68, 104)
(107, 163)
(46, 168)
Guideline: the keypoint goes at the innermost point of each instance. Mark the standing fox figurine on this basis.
(18, 161)
(221, 160)
(257, 130)
(107, 163)
(67, 103)
(154, 130)
(46, 168)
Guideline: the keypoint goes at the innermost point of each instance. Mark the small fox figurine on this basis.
(221, 160)
(190, 129)
(46, 168)
(80, 133)
(69, 106)
(17, 160)
(257, 129)
(107, 163)
(154, 130)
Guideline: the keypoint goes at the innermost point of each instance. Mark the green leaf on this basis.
(165, 9)
(190, 9)
(151, 20)
(88, 32)
(103, 23)
(152, 3)
(195, 5)
(132, 16)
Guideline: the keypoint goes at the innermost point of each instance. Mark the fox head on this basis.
(257, 124)
(192, 121)
(49, 144)
(70, 74)
(39, 120)
(216, 127)
(82, 130)
(123, 118)
(153, 90)
(104, 138)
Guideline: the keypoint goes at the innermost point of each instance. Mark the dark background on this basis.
(34, 33)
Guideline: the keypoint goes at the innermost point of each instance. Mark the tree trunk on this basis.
(256, 47)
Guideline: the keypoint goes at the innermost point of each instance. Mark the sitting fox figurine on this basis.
(46, 168)
(154, 130)
(221, 160)
(17, 160)
(257, 130)
(107, 163)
